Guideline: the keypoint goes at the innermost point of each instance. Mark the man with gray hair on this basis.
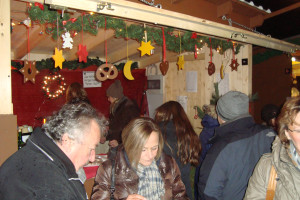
(46, 167)
(236, 148)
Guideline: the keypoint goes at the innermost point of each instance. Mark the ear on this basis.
(287, 134)
(66, 143)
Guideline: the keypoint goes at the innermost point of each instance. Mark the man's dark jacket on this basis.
(40, 170)
(229, 163)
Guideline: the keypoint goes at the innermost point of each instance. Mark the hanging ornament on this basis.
(27, 22)
(196, 52)
(82, 53)
(146, 47)
(194, 35)
(127, 66)
(29, 71)
(106, 71)
(211, 66)
(58, 58)
(234, 64)
(222, 71)
(164, 65)
(53, 86)
(67, 40)
(196, 113)
(180, 62)
(41, 6)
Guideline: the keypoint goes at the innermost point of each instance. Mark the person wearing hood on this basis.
(237, 145)
(121, 111)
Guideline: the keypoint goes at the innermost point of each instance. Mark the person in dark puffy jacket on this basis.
(141, 169)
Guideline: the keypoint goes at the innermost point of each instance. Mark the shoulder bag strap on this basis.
(272, 184)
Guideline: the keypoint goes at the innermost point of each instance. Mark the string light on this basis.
(53, 86)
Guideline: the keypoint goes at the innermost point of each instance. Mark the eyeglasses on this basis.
(293, 131)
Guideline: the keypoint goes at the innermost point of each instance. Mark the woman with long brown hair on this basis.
(181, 141)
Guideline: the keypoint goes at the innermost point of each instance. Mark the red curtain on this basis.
(31, 105)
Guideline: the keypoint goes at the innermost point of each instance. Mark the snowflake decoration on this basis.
(67, 40)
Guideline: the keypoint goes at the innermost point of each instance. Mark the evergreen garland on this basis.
(91, 24)
(72, 65)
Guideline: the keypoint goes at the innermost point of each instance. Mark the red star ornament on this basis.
(58, 58)
(82, 53)
(29, 71)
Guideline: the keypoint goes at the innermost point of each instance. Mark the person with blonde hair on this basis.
(285, 158)
(141, 170)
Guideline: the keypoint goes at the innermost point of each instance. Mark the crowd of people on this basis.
(153, 158)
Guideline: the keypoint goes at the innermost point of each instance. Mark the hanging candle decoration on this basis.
(234, 64)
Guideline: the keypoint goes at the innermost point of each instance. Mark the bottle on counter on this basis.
(20, 141)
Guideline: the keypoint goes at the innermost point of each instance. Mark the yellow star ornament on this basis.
(180, 62)
(58, 58)
(146, 48)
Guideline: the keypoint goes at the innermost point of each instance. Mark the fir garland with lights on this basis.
(91, 23)
(72, 65)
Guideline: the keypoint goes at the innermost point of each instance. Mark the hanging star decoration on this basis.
(180, 62)
(58, 58)
(234, 64)
(67, 40)
(146, 48)
(82, 53)
(29, 71)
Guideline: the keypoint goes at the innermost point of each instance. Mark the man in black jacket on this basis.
(46, 167)
(236, 148)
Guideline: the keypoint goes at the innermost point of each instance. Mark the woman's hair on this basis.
(76, 93)
(187, 140)
(136, 134)
(73, 119)
(287, 117)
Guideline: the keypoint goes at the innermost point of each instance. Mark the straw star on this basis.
(58, 58)
(146, 48)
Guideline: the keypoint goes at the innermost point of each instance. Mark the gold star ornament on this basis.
(180, 62)
(58, 58)
(29, 71)
(146, 48)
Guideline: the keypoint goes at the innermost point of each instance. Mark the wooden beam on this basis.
(256, 21)
(283, 10)
(122, 53)
(225, 8)
(144, 13)
(6, 106)
(90, 41)
(34, 39)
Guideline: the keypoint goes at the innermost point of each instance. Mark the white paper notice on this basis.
(89, 80)
(191, 81)
(183, 101)
(223, 83)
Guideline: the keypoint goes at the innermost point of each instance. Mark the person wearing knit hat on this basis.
(122, 110)
(232, 105)
(236, 147)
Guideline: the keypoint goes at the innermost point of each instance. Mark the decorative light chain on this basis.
(48, 82)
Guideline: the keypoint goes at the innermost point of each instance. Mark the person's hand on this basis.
(136, 197)
(113, 143)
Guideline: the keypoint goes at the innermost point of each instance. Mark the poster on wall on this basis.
(191, 81)
(89, 80)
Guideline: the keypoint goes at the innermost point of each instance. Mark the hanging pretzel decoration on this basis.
(106, 71)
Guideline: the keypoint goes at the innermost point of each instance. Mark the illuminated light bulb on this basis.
(293, 59)
(91, 13)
